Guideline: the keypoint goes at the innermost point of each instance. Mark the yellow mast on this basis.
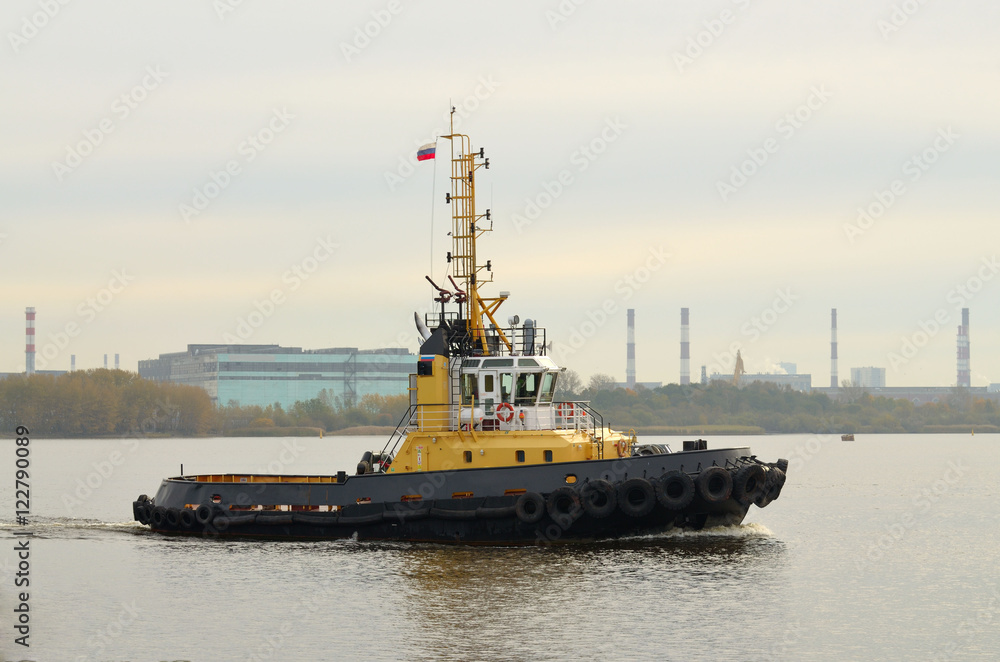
(465, 231)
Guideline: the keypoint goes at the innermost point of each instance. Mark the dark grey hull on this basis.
(590, 500)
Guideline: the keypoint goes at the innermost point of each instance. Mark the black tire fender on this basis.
(748, 483)
(530, 508)
(186, 518)
(636, 497)
(203, 514)
(714, 484)
(158, 517)
(598, 498)
(563, 502)
(674, 490)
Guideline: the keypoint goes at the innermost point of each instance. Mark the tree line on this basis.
(99, 402)
(119, 403)
(777, 409)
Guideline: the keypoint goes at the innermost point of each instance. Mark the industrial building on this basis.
(268, 374)
(868, 377)
(796, 382)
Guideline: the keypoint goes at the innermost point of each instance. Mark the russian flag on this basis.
(426, 152)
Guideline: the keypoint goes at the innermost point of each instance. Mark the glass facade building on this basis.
(266, 374)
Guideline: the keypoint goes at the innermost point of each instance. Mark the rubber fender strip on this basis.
(405, 514)
(360, 519)
(315, 519)
(240, 520)
(495, 513)
(442, 513)
(282, 519)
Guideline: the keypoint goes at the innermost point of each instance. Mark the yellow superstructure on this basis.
(482, 396)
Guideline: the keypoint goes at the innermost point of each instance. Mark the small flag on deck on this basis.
(426, 152)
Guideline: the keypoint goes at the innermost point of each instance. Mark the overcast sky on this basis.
(169, 167)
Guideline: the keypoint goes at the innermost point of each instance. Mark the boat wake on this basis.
(739, 531)
(55, 526)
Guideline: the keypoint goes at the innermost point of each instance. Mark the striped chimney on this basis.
(685, 348)
(964, 374)
(29, 341)
(833, 348)
(630, 351)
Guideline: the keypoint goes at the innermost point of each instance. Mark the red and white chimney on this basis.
(29, 341)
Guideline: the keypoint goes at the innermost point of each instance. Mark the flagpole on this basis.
(433, 184)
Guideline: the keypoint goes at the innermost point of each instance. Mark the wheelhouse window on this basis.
(548, 387)
(506, 386)
(470, 393)
(527, 389)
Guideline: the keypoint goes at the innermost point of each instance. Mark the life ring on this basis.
(748, 483)
(505, 406)
(530, 508)
(636, 497)
(622, 447)
(563, 503)
(598, 498)
(715, 484)
(566, 410)
(674, 490)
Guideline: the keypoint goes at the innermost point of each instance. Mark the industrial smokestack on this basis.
(116, 361)
(29, 341)
(685, 349)
(833, 348)
(72, 362)
(630, 351)
(964, 374)
(105, 361)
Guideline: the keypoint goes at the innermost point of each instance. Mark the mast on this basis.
(465, 231)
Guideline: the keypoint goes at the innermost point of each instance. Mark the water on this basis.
(884, 548)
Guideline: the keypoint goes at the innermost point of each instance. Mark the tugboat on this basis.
(484, 453)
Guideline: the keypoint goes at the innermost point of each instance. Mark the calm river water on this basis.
(884, 548)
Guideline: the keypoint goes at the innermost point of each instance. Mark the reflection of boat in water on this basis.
(847, 437)
(484, 454)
